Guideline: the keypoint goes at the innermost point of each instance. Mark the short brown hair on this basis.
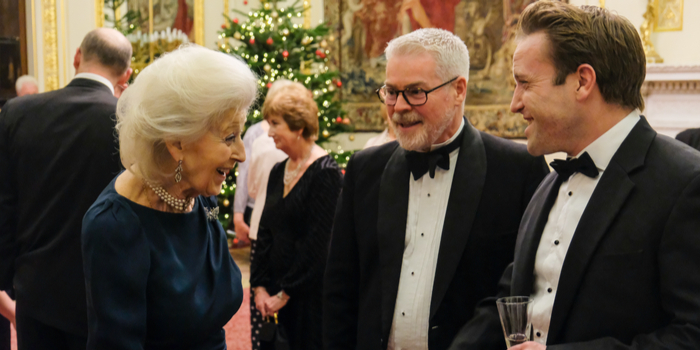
(295, 104)
(97, 46)
(594, 36)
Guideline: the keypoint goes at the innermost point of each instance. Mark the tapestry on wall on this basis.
(364, 27)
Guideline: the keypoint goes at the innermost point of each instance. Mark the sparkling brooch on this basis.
(212, 214)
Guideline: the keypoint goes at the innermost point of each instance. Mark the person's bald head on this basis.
(108, 48)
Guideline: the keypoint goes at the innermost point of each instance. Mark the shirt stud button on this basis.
(403, 314)
(570, 193)
(556, 242)
(428, 194)
(422, 234)
(413, 273)
(549, 290)
(539, 334)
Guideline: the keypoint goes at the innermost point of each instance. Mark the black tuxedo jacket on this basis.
(690, 137)
(630, 277)
(57, 153)
(494, 180)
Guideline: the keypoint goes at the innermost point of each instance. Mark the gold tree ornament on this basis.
(645, 31)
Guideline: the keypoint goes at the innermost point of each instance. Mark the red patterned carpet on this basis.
(237, 330)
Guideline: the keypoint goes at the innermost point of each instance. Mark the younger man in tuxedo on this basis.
(57, 153)
(425, 225)
(609, 247)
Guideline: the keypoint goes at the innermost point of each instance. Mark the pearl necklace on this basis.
(172, 201)
(289, 176)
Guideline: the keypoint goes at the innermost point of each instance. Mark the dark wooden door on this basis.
(13, 46)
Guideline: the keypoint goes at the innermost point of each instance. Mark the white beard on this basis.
(425, 136)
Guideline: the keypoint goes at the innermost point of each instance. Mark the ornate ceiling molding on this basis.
(669, 78)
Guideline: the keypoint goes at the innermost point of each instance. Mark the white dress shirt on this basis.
(379, 139)
(427, 204)
(242, 199)
(264, 156)
(564, 216)
(96, 77)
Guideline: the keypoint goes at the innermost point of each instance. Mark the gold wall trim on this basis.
(602, 4)
(50, 45)
(307, 14)
(63, 42)
(99, 13)
(35, 49)
(151, 52)
(669, 15)
(199, 22)
(226, 7)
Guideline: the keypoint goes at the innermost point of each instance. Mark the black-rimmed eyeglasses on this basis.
(413, 96)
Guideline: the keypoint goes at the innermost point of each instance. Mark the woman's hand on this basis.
(260, 297)
(275, 303)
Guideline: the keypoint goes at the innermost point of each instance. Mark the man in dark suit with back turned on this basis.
(424, 224)
(609, 247)
(57, 153)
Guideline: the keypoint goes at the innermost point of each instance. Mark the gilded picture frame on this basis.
(363, 27)
(669, 15)
(186, 15)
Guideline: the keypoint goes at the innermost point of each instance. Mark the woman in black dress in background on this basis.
(295, 228)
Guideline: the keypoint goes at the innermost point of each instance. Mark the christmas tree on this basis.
(277, 48)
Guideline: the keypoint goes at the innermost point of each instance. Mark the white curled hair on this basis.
(180, 97)
(449, 51)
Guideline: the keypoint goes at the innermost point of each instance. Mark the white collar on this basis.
(604, 147)
(436, 146)
(96, 77)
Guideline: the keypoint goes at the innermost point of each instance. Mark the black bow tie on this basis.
(583, 164)
(420, 163)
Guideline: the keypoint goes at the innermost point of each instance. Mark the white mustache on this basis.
(406, 118)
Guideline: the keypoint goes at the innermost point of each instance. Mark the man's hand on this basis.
(531, 345)
(241, 228)
(260, 297)
(7, 308)
(274, 303)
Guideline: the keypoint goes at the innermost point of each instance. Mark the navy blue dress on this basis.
(157, 280)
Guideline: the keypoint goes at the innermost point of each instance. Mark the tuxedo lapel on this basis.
(391, 230)
(606, 201)
(465, 195)
(531, 227)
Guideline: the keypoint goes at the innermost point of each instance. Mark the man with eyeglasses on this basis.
(425, 225)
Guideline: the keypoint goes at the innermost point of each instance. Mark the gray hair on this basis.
(449, 51)
(109, 48)
(180, 97)
(23, 80)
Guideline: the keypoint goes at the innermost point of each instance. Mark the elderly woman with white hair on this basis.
(158, 271)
